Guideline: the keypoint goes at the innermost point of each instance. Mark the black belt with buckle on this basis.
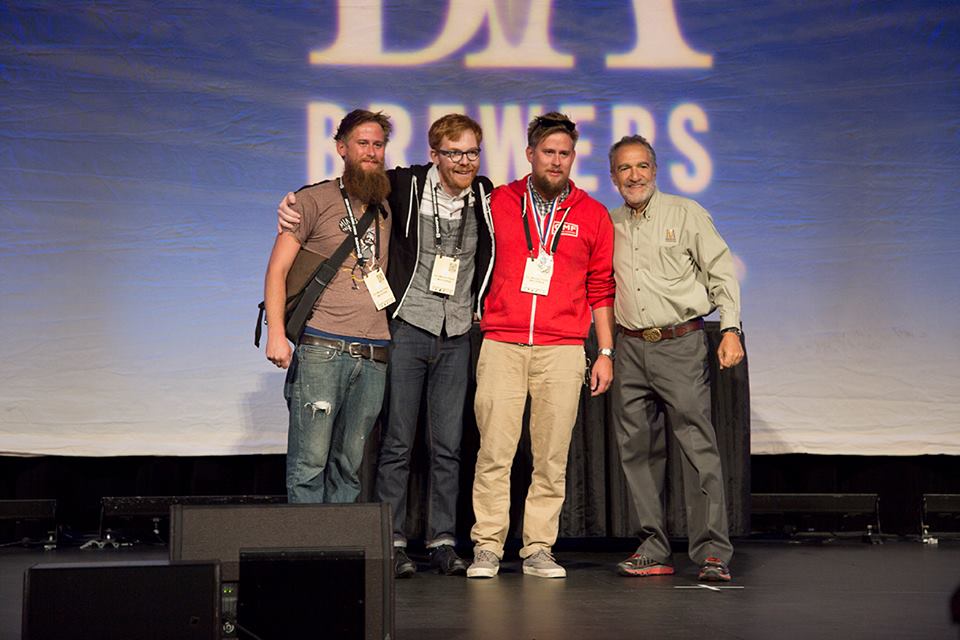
(352, 349)
(656, 334)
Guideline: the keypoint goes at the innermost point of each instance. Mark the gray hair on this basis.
(627, 140)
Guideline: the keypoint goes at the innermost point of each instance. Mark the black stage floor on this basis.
(835, 590)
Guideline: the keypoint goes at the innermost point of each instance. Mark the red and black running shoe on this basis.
(640, 566)
(714, 570)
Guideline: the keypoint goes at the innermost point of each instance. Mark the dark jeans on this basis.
(443, 363)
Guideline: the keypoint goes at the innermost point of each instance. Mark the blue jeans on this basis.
(334, 400)
(443, 363)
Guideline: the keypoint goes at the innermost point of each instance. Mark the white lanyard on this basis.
(353, 228)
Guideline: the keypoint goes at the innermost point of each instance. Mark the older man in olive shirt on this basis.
(672, 268)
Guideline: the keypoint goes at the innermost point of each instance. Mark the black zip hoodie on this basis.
(406, 192)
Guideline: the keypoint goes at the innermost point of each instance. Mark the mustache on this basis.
(547, 189)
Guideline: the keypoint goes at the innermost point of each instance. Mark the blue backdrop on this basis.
(144, 147)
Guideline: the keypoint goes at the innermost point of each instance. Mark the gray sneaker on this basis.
(542, 565)
(486, 564)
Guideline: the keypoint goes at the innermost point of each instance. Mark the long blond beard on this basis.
(370, 187)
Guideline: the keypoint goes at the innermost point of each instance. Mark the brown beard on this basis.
(547, 190)
(370, 187)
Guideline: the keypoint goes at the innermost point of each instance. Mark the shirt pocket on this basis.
(674, 260)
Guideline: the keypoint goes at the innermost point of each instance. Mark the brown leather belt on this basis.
(352, 349)
(656, 334)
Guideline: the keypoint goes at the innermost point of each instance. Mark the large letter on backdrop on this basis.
(360, 37)
(659, 43)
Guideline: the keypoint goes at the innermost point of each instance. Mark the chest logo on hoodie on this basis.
(569, 229)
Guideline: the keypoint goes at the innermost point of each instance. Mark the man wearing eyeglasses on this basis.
(553, 267)
(440, 254)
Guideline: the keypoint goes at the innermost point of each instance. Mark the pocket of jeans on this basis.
(315, 353)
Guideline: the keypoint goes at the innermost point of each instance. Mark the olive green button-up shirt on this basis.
(671, 265)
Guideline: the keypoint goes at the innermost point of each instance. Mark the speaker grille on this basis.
(119, 601)
(220, 532)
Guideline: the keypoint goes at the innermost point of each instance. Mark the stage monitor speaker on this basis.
(223, 532)
(293, 593)
(121, 600)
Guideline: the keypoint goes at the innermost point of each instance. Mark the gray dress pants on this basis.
(668, 381)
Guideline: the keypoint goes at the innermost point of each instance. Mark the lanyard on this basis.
(353, 227)
(544, 225)
(526, 225)
(436, 222)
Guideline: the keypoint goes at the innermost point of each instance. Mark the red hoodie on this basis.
(582, 270)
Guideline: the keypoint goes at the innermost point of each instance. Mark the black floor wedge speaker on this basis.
(343, 548)
(121, 600)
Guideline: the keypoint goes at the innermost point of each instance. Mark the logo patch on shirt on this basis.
(367, 242)
(670, 237)
(569, 229)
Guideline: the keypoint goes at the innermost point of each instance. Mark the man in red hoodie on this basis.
(553, 266)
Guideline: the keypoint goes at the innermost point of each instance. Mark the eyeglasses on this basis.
(456, 155)
(543, 121)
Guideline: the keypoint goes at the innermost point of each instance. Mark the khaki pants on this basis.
(506, 373)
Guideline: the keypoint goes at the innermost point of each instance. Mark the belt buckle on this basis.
(652, 335)
(355, 350)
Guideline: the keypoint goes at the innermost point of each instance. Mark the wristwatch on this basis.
(606, 351)
(735, 330)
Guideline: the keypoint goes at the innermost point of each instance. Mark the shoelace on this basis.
(487, 556)
(543, 554)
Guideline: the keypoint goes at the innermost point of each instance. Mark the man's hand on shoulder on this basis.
(730, 351)
(287, 218)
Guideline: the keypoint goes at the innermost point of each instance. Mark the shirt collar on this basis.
(539, 200)
(651, 203)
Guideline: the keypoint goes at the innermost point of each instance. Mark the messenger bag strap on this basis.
(320, 279)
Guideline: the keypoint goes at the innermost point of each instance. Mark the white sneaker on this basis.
(486, 564)
(542, 565)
